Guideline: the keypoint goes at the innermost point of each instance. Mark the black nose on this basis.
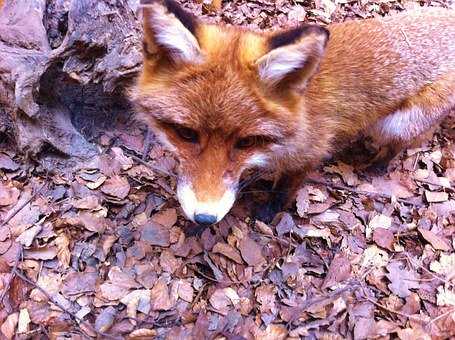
(205, 219)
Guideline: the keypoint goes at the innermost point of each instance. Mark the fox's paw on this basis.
(267, 211)
(378, 168)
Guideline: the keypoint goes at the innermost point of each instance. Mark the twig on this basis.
(22, 206)
(12, 274)
(198, 296)
(377, 304)
(434, 184)
(148, 165)
(361, 192)
(427, 271)
(443, 315)
(59, 305)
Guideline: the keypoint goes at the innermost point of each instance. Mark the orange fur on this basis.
(377, 75)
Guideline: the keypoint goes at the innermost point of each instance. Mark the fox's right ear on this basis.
(169, 32)
(294, 55)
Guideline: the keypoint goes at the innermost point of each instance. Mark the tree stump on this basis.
(63, 65)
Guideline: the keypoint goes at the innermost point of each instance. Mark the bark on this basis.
(63, 65)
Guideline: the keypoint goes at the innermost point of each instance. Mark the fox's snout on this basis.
(208, 210)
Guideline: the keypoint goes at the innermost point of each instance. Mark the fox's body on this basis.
(225, 99)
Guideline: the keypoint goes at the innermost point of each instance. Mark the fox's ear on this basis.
(169, 32)
(293, 55)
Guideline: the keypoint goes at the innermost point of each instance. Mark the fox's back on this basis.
(371, 66)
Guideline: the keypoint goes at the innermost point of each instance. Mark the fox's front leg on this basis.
(282, 195)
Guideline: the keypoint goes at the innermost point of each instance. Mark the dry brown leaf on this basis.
(413, 334)
(161, 299)
(384, 238)
(251, 251)
(155, 234)
(436, 242)
(228, 251)
(90, 202)
(302, 201)
(137, 300)
(113, 292)
(142, 333)
(345, 171)
(105, 319)
(9, 195)
(8, 327)
(445, 266)
(63, 253)
(402, 280)
(166, 217)
(45, 253)
(27, 237)
(185, 291)
(122, 279)
(272, 332)
(117, 187)
(339, 271)
(76, 283)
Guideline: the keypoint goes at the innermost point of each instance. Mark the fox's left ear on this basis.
(169, 32)
(293, 55)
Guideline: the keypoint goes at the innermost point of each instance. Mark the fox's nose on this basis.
(205, 219)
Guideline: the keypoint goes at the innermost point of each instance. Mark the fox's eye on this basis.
(251, 141)
(187, 134)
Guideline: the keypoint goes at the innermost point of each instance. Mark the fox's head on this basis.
(223, 99)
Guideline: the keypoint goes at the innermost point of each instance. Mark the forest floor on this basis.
(102, 248)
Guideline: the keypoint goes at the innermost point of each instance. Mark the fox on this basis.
(227, 99)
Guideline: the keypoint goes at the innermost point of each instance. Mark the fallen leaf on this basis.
(285, 225)
(45, 253)
(6, 163)
(402, 280)
(303, 202)
(436, 242)
(228, 251)
(113, 292)
(137, 300)
(160, 297)
(221, 299)
(117, 187)
(155, 234)
(23, 325)
(445, 266)
(378, 221)
(77, 283)
(143, 333)
(8, 195)
(88, 203)
(166, 217)
(436, 197)
(251, 251)
(27, 237)
(8, 327)
(339, 271)
(105, 319)
(122, 279)
(445, 296)
(62, 243)
(384, 238)
(185, 291)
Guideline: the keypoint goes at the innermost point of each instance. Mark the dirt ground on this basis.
(101, 248)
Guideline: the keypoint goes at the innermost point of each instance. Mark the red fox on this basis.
(225, 99)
